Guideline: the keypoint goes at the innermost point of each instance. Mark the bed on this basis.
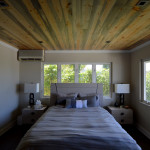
(65, 128)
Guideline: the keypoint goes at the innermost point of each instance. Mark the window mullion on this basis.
(145, 81)
(76, 73)
(42, 80)
(59, 73)
(110, 79)
(93, 73)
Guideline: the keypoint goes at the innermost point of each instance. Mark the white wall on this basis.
(31, 71)
(9, 81)
(142, 111)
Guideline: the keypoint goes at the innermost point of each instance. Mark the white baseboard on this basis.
(7, 127)
(144, 131)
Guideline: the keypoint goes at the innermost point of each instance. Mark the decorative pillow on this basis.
(84, 103)
(73, 103)
(89, 94)
(91, 101)
(79, 104)
(61, 98)
(70, 103)
(98, 102)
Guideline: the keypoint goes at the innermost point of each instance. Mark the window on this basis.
(76, 73)
(50, 76)
(67, 73)
(85, 73)
(146, 80)
(103, 76)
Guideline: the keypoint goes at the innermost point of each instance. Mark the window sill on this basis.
(145, 103)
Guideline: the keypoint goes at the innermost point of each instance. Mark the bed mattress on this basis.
(77, 129)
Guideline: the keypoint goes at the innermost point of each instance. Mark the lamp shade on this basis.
(31, 87)
(122, 88)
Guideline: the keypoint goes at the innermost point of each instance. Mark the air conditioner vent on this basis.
(31, 55)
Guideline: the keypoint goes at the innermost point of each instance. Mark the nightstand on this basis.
(31, 115)
(122, 115)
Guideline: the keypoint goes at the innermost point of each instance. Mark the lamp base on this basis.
(121, 99)
(31, 99)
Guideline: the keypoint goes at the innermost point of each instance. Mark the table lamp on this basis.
(122, 89)
(31, 88)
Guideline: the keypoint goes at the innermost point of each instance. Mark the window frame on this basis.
(143, 81)
(76, 74)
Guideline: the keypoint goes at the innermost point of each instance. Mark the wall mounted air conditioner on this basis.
(31, 55)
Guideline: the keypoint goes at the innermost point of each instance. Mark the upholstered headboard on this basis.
(82, 88)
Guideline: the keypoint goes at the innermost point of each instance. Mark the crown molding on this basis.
(86, 51)
(8, 46)
(140, 47)
(101, 51)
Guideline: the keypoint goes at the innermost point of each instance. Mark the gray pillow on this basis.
(98, 101)
(70, 103)
(91, 101)
(61, 98)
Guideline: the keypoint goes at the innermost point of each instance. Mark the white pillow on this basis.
(84, 103)
(79, 104)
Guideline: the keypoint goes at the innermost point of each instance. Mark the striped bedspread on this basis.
(77, 129)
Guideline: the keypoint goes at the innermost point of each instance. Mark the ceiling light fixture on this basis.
(40, 42)
(142, 3)
(3, 4)
(108, 42)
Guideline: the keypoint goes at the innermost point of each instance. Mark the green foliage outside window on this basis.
(103, 76)
(148, 86)
(50, 76)
(85, 73)
(68, 76)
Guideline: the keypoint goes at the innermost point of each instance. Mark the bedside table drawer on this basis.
(29, 120)
(122, 115)
(124, 120)
(30, 116)
(32, 113)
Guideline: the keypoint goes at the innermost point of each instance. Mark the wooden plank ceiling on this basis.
(74, 24)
